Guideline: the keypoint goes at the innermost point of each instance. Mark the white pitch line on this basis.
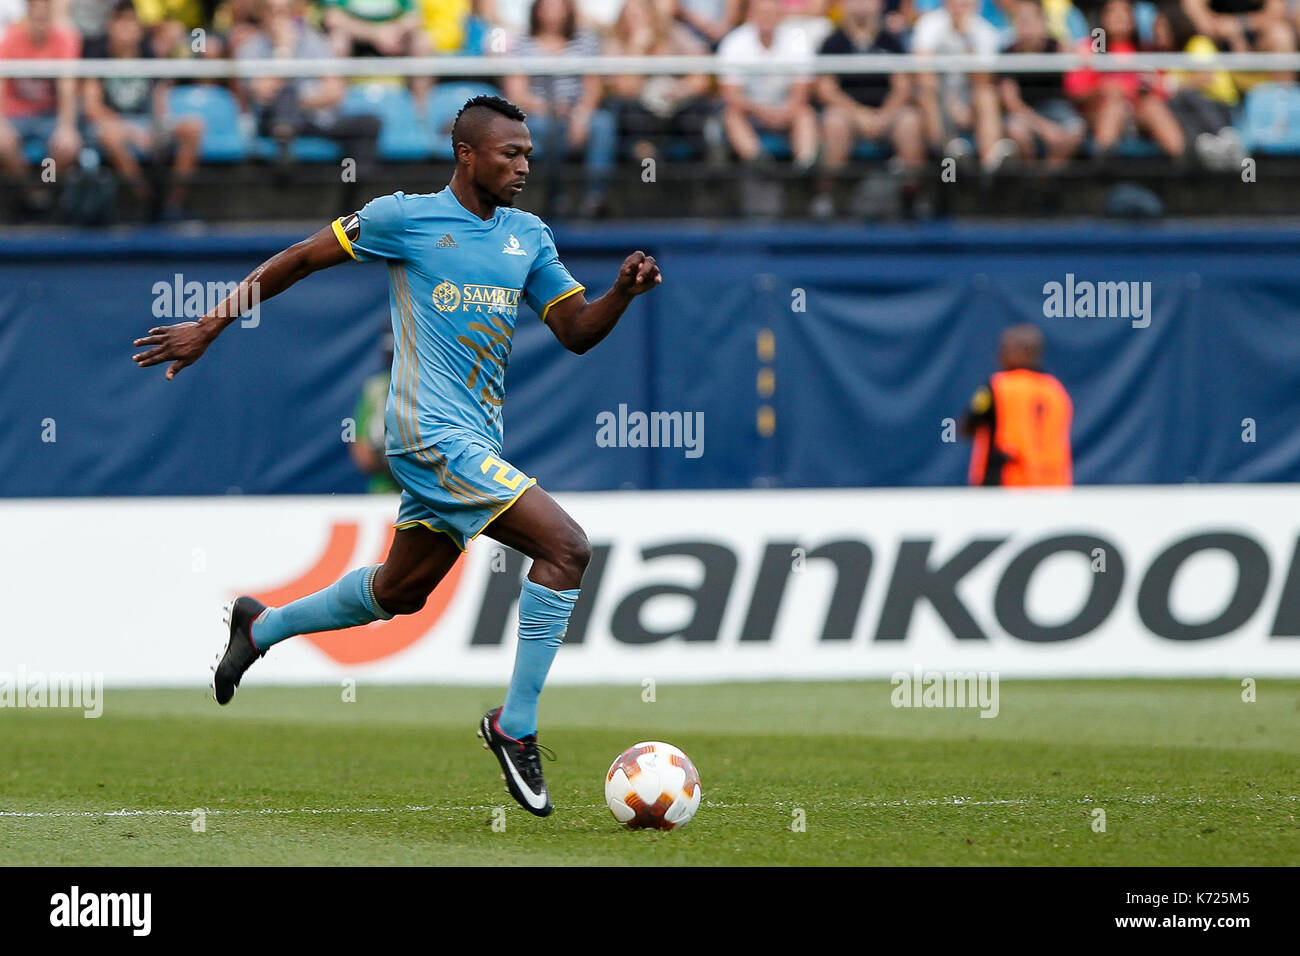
(479, 808)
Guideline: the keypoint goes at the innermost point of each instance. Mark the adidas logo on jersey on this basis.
(447, 242)
(512, 248)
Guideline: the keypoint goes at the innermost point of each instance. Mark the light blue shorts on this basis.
(457, 485)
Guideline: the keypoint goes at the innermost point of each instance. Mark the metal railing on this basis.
(459, 66)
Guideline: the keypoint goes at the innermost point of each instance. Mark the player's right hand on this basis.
(181, 344)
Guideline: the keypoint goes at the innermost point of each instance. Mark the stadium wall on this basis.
(690, 586)
(877, 336)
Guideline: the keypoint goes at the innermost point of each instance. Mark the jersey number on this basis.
(502, 470)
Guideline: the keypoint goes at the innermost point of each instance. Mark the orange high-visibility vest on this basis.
(1030, 434)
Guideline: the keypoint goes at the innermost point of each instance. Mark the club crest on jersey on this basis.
(512, 248)
(446, 297)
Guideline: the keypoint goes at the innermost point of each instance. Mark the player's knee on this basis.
(402, 603)
(574, 553)
(403, 597)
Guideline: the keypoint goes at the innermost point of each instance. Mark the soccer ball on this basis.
(654, 786)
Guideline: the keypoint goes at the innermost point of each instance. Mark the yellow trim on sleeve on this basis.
(560, 298)
(343, 238)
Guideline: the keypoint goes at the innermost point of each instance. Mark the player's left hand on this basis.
(638, 274)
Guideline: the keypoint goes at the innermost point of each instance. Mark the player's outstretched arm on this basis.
(184, 343)
(580, 324)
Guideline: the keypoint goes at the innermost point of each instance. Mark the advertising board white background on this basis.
(134, 588)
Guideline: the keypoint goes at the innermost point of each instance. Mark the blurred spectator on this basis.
(653, 109)
(810, 16)
(1202, 101)
(563, 111)
(446, 24)
(234, 24)
(955, 104)
(129, 114)
(11, 11)
(711, 19)
(1111, 102)
(1020, 420)
(367, 450)
(40, 111)
(1065, 23)
(508, 15)
(379, 28)
(288, 107)
(899, 16)
(171, 38)
(873, 106)
(600, 15)
(758, 103)
(1245, 25)
(1037, 109)
(90, 17)
(186, 14)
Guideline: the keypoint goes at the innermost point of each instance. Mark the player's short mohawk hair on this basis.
(465, 130)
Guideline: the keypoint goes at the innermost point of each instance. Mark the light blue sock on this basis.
(543, 622)
(347, 602)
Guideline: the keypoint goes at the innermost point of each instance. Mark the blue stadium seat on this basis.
(1144, 16)
(989, 10)
(776, 145)
(444, 103)
(405, 136)
(304, 149)
(223, 140)
(1076, 24)
(1270, 120)
(1131, 147)
(315, 149)
(867, 149)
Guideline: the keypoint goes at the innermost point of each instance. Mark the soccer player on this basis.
(459, 262)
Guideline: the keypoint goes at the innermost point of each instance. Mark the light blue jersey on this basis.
(455, 283)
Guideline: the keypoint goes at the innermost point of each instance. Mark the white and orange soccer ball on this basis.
(652, 785)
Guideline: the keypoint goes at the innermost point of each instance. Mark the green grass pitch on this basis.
(1186, 772)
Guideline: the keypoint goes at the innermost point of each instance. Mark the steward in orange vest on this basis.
(1020, 420)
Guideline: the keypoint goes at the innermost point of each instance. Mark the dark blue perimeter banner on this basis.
(801, 357)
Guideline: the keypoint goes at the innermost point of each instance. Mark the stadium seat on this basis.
(868, 149)
(304, 149)
(223, 139)
(776, 145)
(1076, 24)
(444, 103)
(989, 10)
(1270, 120)
(1144, 16)
(1131, 147)
(405, 137)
